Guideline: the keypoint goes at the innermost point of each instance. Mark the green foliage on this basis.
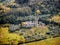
(24, 11)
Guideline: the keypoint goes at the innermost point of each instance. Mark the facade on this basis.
(32, 24)
(28, 24)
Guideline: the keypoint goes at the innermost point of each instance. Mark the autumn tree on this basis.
(9, 38)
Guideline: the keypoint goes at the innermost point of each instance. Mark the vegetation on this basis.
(52, 41)
(14, 14)
(34, 33)
(4, 9)
(9, 38)
(55, 18)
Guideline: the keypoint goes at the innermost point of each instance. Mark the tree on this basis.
(9, 38)
(4, 9)
(22, 1)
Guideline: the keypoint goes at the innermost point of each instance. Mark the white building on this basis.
(28, 24)
(32, 24)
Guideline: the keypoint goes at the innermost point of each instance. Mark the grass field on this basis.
(51, 41)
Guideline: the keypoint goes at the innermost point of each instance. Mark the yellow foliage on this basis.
(3, 34)
(22, 39)
(4, 9)
(55, 19)
(9, 38)
(38, 11)
(3, 30)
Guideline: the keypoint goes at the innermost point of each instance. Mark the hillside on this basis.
(25, 21)
(52, 41)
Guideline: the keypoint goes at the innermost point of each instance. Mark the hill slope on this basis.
(52, 41)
